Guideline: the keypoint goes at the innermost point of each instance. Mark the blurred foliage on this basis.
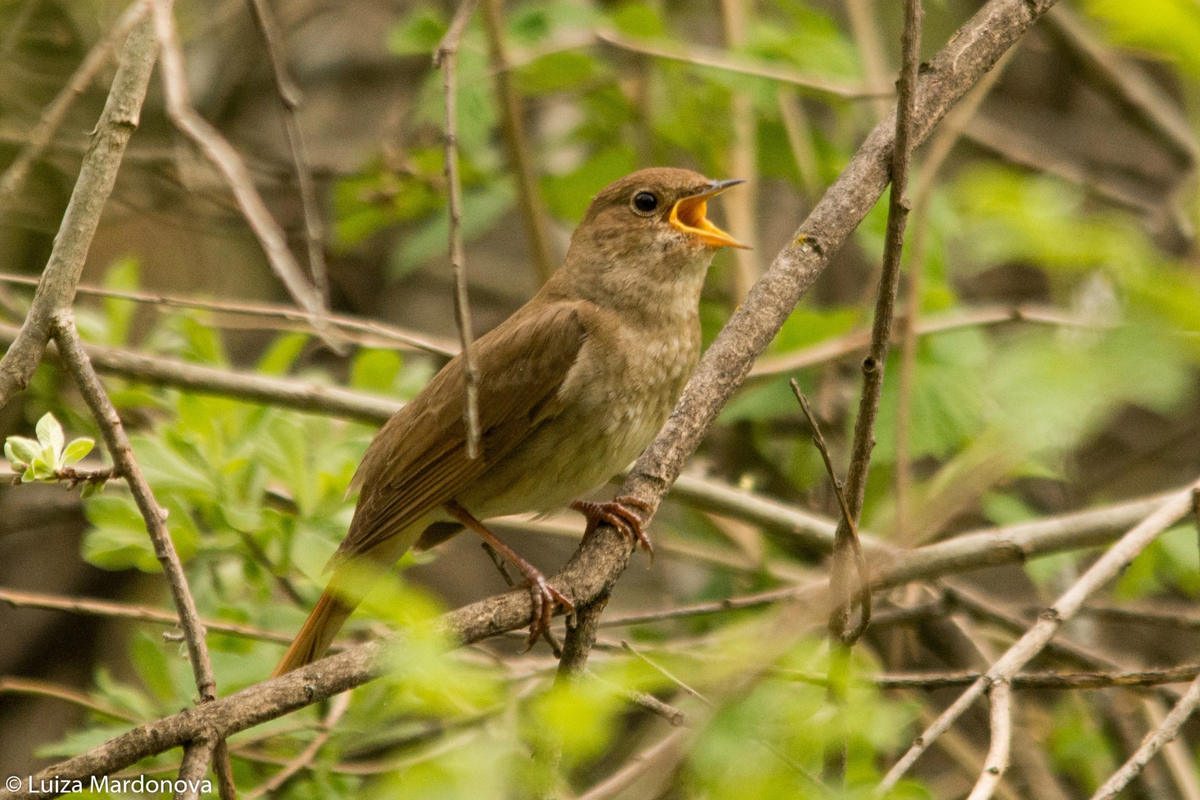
(256, 495)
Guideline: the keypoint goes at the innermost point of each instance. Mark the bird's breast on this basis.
(615, 400)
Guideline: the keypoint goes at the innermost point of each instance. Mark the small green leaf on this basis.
(375, 370)
(20, 450)
(42, 470)
(50, 434)
(91, 489)
(282, 354)
(76, 450)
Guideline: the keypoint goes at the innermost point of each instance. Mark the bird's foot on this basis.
(544, 597)
(626, 514)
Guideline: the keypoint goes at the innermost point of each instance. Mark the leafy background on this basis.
(1056, 196)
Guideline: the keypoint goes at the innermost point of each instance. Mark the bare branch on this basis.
(289, 95)
(1000, 696)
(1036, 638)
(105, 608)
(157, 371)
(716, 59)
(370, 333)
(446, 58)
(1152, 744)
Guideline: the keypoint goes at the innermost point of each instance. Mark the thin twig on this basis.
(837, 627)
(1000, 697)
(290, 97)
(446, 58)
(157, 371)
(42, 132)
(1036, 638)
(73, 476)
(1041, 680)
(28, 686)
(743, 163)
(855, 341)
(718, 59)
(231, 166)
(1152, 744)
(666, 749)
(516, 144)
(881, 331)
(373, 334)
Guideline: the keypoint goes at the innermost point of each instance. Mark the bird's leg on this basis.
(544, 595)
(623, 513)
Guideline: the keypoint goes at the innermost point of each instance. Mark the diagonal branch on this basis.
(289, 95)
(230, 165)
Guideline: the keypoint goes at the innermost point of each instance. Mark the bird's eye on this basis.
(645, 202)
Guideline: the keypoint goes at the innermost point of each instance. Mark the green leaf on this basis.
(76, 450)
(375, 370)
(419, 33)
(122, 275)
(151, 664)
(50, 434)
(482, 209)
(21, 450)
(282, 354)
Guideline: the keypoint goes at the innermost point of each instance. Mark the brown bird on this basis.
(572, 387)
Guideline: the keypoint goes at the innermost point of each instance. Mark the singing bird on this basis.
(572, 387)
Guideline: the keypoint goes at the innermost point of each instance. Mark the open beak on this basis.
(688, 215)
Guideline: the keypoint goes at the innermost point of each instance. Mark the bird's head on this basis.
(649, 229)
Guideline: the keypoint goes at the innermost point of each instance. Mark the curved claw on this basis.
(623, 513)
(544, 597)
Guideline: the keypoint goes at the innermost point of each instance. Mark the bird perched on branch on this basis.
(572, 387)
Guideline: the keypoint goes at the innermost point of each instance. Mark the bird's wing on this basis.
(419, 459)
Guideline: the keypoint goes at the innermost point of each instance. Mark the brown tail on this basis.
(316, 635)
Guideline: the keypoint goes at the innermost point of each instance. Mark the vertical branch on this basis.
(512, 129)
(795, 123)
(873, 364)
(446, 58)
(939, 149)
(744, 162)
(290, 96)
(1000, 696)
(52, 117)
(846, 545)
